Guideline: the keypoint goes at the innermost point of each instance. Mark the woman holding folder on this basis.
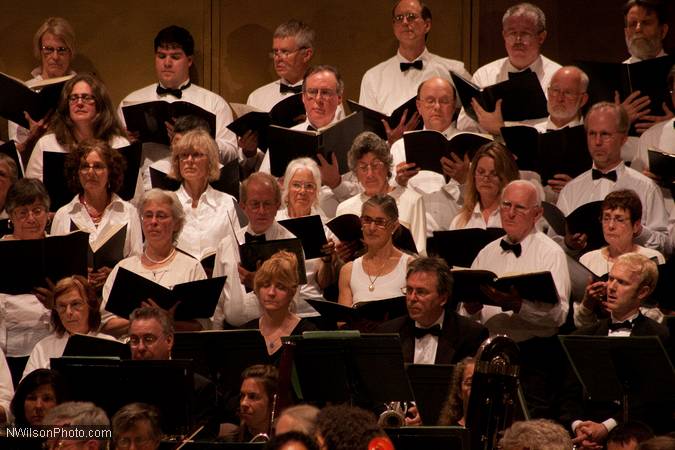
(96, 172)
(275, 285)
(162, 219)
(84, 112)
(75, 311)
(24, 318)
(492, 168)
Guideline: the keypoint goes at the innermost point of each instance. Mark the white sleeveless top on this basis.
(386, 286)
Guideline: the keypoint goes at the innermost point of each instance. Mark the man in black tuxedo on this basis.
(431, 333)
(631, 280)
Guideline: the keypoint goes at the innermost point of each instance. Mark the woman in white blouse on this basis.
(210, 215)
(76, 311)
(162, 219)
(84, 112)
(96, 172)
(492, 168)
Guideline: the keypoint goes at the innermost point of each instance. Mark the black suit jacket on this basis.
(573, 407)
(460, 337)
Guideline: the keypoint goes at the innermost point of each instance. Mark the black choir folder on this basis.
(287, 113)
(585, 219)
(460, 247)
(425, 148)
(376, 310)
(148, 119)
(649, 77)
(9, 149)
(253, 254)
(17, 97)
(662, 164)
(522, 97)
(28, 263)
(309, 230)
(372, 120)
(558, 151)
(92, 346)
(535, 286)
(347, 228)
(286, 145)
(108, 249)
(198, 299)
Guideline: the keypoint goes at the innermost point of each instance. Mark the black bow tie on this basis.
(285, 89)
(311, 127)
(248, 237)
(413, 65)
(178, 93)
(596, 175)
(421, 332)
(515, 248)
(625, 325)
(519, 74)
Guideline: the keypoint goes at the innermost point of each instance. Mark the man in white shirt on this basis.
(393, 82)
(260, 200)
(174, 49)
(442, 201)
(524, 32)
(606, 131)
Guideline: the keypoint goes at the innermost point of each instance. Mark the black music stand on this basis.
(111, 383)
(414, 438)
(349, 367)
(621, 369)
(431, 386)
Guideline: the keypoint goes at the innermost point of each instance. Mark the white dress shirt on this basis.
(48, 143)
(498, 71)
(411, 213)
(477, 221)
(118, 212)
(385, 87)
(23, 322)
(206, 225)
(535, 319)
(265, 97)
(583, 189)
(6, 386)
(427, 346)
(236, 306)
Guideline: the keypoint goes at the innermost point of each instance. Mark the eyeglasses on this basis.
(96, 167)
(267, 206)
(23, 213)
(431, 101)
(49, 50)
(138, 442)
(160, 216)
(313, 93)
(605, 136)
(514, 36)
(488, 175)
(76, 306)
(87, 99)
(373, 165)
(519, 209)
(619, 220)
(419, 292)
(409, 17)
(148, 339)
(379, 222)
(565, 95)
(283, 54)
(298, 185)
(196, 156)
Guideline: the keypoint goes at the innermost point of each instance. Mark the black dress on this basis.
(275, 358)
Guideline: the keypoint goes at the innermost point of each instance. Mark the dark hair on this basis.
(385, 202)
(267, 375)
(24, 192)
(671, 77)
(453, 408)
(340, 85)
(175, 37)
(153, 313)
(32, 381)
(436, 266)
(88, 294)
(11, 164)
(655, 6)
(426, 12)
(106, 125)
(114, 161)
(128, 416)
(183, 124)
(658, 443)
(344, 427)
(278, 441)
(628, 431)
(626, 199)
